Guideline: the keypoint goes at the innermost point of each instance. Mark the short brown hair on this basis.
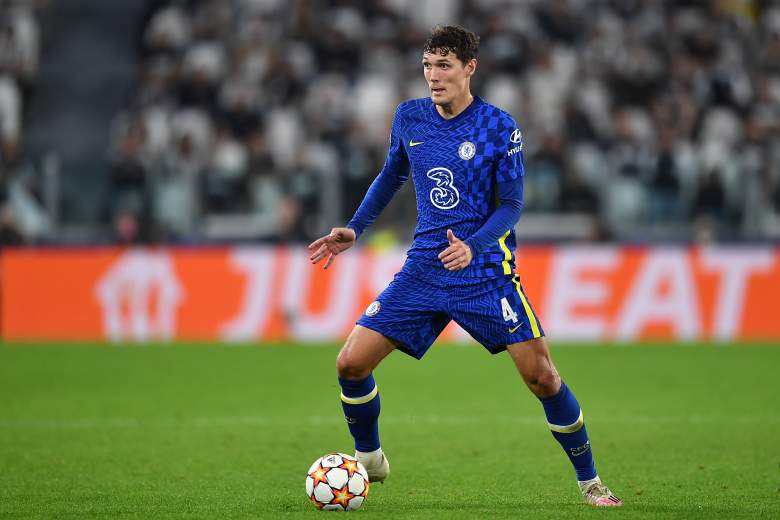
(454, 39)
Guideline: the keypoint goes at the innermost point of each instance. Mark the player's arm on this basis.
(390, 179)
(460, 252)
(509, 186)
(503, 218)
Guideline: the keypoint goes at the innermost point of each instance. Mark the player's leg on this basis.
(564, 416)
(503, 319)
(405, 316)
(360, 355)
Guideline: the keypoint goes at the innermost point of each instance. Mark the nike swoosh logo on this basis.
(415, 143)
(514, 329)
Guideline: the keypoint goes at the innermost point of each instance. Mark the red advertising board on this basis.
(260, 293)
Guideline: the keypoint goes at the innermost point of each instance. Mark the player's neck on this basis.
(457, 106)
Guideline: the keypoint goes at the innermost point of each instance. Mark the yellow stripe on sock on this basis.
(361, 400)
(507, 253)
(571, 428)
(528, 311)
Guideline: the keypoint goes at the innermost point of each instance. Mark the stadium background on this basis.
(262, 123)
(164, 162)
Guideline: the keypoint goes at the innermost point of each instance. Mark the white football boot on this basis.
(376, 464)
(597, 494)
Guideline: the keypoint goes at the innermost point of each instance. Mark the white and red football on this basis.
(337, 482)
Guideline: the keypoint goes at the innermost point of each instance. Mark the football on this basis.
(337, 482)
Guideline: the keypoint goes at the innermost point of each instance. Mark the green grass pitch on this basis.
(194, 431)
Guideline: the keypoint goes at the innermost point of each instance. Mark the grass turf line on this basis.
(225, 432)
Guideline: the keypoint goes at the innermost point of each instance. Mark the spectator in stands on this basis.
(176, 189)
(640, 96)
(711, 199)
(10, 235)
(128, 175)
(666, 202)
(225, 178)
(10, 120)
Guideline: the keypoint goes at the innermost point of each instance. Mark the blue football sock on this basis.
(565, 420)
(360, 400)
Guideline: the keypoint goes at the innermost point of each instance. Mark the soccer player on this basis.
(466, 161)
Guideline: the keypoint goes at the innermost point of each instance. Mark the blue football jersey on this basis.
(455, 165)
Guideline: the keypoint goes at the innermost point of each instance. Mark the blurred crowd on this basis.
(268, 119)
(19, 55)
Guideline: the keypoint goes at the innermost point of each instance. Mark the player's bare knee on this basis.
(545, 382)
(348, 368)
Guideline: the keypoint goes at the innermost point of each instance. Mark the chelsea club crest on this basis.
(466, 150)
(373, 308)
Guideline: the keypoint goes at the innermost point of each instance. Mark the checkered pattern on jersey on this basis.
(455, 165)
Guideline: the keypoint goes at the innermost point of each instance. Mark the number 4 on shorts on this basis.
(509, 314)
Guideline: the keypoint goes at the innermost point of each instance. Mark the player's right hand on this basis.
(337, 241)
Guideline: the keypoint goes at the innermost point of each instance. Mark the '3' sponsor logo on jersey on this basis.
(444, 195)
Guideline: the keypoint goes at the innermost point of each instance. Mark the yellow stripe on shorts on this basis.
(528, 311)
(361, 400)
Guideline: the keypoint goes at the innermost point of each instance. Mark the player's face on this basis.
(448, 77)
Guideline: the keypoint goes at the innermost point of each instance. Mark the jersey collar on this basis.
(468, 110)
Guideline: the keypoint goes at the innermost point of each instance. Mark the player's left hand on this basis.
(457, 256)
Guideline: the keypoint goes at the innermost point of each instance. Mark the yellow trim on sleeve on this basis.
(528, 311)
(507, 253)
(361, 400)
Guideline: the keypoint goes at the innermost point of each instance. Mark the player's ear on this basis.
(471, 66)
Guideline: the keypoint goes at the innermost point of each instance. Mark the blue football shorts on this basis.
(412, 312)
